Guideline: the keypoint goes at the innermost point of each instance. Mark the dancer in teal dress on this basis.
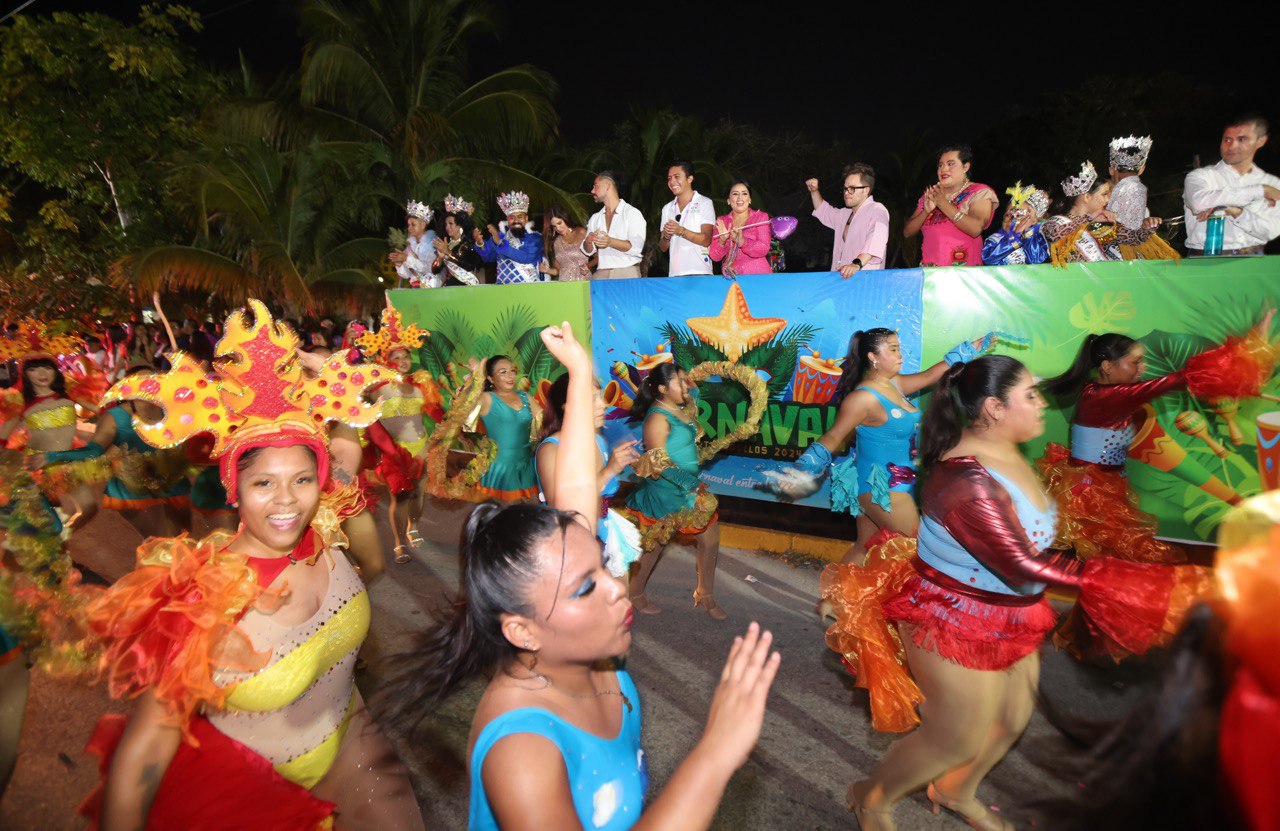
(670, 499)
(508, 417)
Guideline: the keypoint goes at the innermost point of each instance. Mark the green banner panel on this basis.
(1223, 450)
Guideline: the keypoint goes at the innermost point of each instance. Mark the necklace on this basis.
(550, 685)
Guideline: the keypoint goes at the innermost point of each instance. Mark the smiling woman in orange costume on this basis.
(240, 649)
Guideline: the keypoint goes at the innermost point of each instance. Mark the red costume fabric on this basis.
(1129, 607)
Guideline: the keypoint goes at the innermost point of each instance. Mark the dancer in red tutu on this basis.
(956, 628)
(1100, 511)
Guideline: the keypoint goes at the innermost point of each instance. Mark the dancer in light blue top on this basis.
(556, 741)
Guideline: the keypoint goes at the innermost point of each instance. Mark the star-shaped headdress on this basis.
(392, 335)
(258, 395)
(34, 340)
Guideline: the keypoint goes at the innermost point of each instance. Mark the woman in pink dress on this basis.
(570, 262)
(742, 237)
(953, 213)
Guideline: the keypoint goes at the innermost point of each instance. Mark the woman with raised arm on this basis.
(955, 627)
(872, 397)
(555, 741)
(1100, 510)
(240, 649)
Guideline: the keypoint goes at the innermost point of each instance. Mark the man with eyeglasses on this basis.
(861, 226)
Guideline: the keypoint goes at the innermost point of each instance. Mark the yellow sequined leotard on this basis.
(294, 712)
(63, 415)
(405, 406)
(401, 406)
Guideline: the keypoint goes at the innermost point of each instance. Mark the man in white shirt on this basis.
(413, 264)
(1235, 185)
(687, 224)
(616, 231)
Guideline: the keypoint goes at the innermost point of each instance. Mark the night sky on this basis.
(866, 75)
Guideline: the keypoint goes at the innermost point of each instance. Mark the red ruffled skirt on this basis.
(1098, 511)
(219, 786)
(1125, 607)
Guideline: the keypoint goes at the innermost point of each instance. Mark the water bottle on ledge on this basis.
(1213, 231)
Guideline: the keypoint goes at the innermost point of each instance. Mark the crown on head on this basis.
(512, 202)
(457, 205)
(34, 340)
(392, 335)
(419, 210)
(1031, 196)
(1076, 185)
(258, 396)
(1130, 153)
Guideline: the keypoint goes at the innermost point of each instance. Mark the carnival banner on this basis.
(792, 329)
(1191, 460)
(478, 322)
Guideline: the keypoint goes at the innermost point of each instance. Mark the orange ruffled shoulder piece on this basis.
(170, 623)
(868, 644)
(1240, 368)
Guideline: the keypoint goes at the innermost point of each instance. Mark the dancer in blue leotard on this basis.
(875, 484)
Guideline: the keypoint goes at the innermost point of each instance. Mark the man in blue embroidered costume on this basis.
(517, 251)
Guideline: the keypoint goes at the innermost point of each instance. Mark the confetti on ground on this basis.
(751, 578)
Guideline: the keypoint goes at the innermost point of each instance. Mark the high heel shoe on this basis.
(415, 539)
(972, 811)
(402, 554)
(868, 819)
(708, 604)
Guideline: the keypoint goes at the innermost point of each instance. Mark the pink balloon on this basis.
(783, 226)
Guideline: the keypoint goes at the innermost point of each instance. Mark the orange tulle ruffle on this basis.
(1098, 511)
(169, 623)
(868, 645)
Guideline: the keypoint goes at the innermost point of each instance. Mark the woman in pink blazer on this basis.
(742, 238)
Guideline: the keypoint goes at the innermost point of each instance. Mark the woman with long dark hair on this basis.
(509, 416)
(968, 608)
(570, 262)
(742, 237)
(49, 417)
(670, 500)
(555, 740)
(1100, 510)
(872, 397)
(1084, 230)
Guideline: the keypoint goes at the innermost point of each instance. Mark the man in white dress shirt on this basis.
(413, 264)
(687, 224)
(1235, 185)
(616, 231)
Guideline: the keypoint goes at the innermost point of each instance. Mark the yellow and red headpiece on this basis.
(34, 340)
(258, 397)
(391, 336)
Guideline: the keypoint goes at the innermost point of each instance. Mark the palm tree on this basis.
(271, 223)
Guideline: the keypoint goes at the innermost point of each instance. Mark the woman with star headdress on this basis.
(240, 649)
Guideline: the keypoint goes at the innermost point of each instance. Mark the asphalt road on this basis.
(817, 736)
